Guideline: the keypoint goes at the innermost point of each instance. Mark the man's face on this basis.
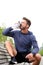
(24, 25)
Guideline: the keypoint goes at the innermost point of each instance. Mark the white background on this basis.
(13, 10)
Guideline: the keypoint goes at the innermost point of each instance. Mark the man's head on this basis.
(25, 23)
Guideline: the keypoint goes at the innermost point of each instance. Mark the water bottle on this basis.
(16, 25)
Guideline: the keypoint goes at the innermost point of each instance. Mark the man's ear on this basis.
(27, 26)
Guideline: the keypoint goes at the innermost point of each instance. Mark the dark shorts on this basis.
(20, 57)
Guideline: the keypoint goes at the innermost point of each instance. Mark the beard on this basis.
(21, 27)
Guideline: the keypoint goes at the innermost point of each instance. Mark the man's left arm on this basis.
(34, 44)
(35, 48)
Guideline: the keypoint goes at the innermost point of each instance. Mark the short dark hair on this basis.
(27, 20)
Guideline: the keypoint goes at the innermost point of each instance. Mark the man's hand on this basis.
(30, 57)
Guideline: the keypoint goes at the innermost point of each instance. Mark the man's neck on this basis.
(24, 31)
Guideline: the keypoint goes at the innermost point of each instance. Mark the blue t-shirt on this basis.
(23, 41)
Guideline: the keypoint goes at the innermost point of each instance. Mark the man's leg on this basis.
(36, 59)
(12, 51)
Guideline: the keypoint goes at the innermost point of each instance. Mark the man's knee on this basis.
(8, 43)
(38, 56)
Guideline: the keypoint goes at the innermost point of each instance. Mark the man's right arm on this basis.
(8, 32)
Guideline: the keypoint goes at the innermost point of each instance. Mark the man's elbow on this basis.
(3, 33)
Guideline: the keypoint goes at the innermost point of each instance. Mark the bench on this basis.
(4, 56)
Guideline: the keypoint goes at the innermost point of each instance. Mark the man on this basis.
(24, 40)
